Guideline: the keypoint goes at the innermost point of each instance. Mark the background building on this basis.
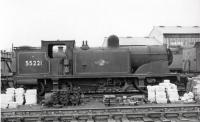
(175, 36)
(182, 42)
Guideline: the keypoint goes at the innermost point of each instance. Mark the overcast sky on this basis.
(27, 22)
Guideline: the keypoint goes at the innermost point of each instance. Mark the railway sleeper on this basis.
(110, 118)
(111, 114)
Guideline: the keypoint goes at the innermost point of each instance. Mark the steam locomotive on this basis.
(59, 65)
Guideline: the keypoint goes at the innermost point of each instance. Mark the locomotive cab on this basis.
(60, 55)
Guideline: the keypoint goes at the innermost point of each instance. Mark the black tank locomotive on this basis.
(113, 69)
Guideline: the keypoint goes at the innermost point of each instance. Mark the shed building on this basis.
(173, 36)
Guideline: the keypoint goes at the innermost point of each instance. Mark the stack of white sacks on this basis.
(4, 101)
(10, 96)
(14, 97)
(188, 97)
(151, 93)
(171, 90)
(160, 94)
(31, 96)
(19, 96)
(7, 98)
(196, 89)
(163, 92)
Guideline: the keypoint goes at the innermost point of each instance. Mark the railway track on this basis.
(143, 113)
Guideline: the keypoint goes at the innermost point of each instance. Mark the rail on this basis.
(161, 112)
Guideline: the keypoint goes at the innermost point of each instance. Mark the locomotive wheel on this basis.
(75, 96)
(67, 86)
(127, 86)
(64, 97)
(136, 84)
(41, 88)
(75, 99)
(55, 98)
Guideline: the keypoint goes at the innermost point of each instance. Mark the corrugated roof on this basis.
(135, 41)
(177, 29)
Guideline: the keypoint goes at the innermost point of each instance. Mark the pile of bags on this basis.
(196, 89)
(8, 99)
(187, 97)
(19, 96)
(160, 94)
(14, 97)
(151, 93)
(31, 96)
(171, 90)
(163, 92)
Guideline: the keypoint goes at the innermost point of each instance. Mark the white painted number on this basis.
(33, 63)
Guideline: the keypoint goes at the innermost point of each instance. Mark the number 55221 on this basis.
(33, 63)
